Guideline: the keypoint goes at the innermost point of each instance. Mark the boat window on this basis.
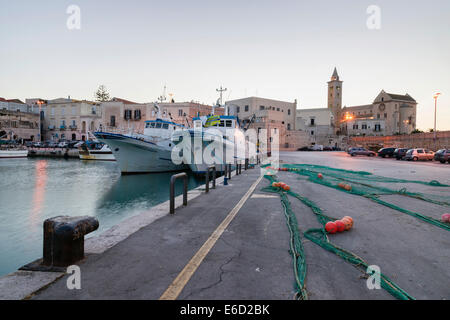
(165, 126)
(158, 126)
(229, 123)
(222, 123)
(152, 125)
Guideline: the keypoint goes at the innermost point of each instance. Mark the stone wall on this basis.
(417, 140)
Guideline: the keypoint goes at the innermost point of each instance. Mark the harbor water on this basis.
(33, 189)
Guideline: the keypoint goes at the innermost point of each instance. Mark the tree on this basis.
(101, 94)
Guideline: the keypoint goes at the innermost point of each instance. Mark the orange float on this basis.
(340, 225)
(331, 227)
(347, 223)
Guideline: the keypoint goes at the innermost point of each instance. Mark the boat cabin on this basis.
(161, 127)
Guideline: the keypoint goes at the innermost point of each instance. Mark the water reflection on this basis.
(32, 190)
(39, 191)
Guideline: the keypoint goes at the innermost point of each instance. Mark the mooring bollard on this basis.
(229, 171)
(64, 239)
(213, 169)
(172, 190)
(225, 175)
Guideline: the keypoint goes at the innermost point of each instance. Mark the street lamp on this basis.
(435, 107)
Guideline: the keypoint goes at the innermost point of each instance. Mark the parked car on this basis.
(50, 144)
(386, 152)
(442, 155)
(62, 144)
(316, 147)
(400, 153)
(37, 144)
(419, 154)
(72, 144)
(361, 152)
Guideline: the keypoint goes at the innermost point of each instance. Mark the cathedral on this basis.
(388, 114)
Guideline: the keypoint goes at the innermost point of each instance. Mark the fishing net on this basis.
(361, 183)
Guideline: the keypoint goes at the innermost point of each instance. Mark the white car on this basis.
(63, 144)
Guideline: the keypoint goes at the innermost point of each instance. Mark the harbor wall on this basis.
(416, 140)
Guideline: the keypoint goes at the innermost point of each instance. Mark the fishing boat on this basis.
(95, 150)
(13, 153)
(228, 137)
(144, 153)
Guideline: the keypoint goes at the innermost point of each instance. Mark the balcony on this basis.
(62, 128)
(51, 128)
(73, 127)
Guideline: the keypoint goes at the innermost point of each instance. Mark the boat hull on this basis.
(138, 156)
(13, 154)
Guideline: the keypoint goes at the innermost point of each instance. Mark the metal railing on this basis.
(213, 169)
(172, 190)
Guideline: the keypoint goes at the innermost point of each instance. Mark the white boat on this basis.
(92, 150)
(227, 134)
(144, 153)
(13, 153)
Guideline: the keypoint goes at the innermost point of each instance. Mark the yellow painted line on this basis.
(175, 288)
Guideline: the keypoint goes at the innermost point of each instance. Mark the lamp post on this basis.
(347, 118)
(435, 108)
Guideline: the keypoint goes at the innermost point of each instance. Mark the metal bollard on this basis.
(246, 164)
(64, 239)
(213, 169)
(172, 190)
(229, 171)
(225, 175)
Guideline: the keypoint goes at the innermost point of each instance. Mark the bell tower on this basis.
(335, 97)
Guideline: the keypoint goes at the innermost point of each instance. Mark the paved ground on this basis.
(251, 260)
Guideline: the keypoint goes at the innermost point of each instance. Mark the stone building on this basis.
(318, 124)
(120, 115)
(388, 114)
(70, 119)
(260, 113)
(18, 121)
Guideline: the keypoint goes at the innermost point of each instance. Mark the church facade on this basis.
(388, 114)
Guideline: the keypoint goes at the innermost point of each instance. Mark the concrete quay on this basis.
(233, 243)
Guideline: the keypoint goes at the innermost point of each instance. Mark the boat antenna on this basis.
(162, 97)
(158, 110)
(221, 91)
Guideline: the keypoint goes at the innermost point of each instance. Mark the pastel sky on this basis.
(274, 49)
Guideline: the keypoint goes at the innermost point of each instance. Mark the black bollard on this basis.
(64, 239)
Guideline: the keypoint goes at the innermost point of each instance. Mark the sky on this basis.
(283, 50)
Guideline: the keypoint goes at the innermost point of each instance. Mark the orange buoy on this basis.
(349, 218)
(340, 225)
(446, 217)
(341, 185)
(348, 187)
(320, 176)
(331, 227)
(275, 184)
(286, 188)
(347, 223)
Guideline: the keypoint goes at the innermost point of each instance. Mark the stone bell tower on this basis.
(335, 98)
